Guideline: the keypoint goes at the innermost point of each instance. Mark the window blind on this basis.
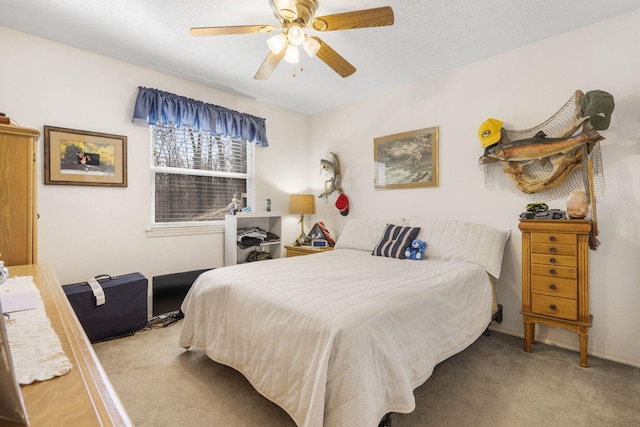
(196, 174)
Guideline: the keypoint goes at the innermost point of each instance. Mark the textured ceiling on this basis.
(428, 37)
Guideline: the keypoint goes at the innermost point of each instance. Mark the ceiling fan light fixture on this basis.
(286, 9)
(311, 46)
(277, 43)
(295, 18)
(296, 35)
(292, 55)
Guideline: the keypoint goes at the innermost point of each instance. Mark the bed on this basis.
(343, 337)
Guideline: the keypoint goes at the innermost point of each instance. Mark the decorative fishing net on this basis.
(564, 123)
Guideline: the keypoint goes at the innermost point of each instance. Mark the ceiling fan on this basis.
(295, 17)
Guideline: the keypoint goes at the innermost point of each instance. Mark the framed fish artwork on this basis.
(406, 160)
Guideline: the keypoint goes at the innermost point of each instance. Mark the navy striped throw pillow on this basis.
(395, 240)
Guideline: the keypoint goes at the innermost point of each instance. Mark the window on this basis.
(196, 174)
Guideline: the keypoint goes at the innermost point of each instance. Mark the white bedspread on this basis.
(338, 338)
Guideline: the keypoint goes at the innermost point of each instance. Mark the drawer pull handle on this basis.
(552, 286)
(552, 260)
(552, 271)
(552, 249)
(552, 238)
(553, 307)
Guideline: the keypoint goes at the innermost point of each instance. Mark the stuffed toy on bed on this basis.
(416, 250)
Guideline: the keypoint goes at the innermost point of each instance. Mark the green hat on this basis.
(598, 105)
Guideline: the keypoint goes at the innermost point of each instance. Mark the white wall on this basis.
(523, 88)
(84, 231)
(45, 83)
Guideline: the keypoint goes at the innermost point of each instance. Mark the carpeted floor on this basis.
(491, 383)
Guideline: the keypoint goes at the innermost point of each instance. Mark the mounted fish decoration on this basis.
(564, 154)
(331, 171)
(540, 147)
(559, 156)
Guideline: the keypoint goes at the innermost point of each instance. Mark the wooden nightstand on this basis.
(555, 278)
(293, 250)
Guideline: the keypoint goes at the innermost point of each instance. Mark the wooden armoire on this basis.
(18, 210)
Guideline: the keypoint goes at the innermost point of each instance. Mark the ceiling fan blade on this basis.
(270, 63)
(334, 60)
(377, 17)
(222, 31)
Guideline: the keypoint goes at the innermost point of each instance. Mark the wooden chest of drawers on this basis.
(555, 278)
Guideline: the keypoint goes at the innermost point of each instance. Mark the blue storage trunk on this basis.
(123, 312)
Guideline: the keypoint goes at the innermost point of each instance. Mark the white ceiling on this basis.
(428, 37)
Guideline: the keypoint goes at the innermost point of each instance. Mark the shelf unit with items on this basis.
(268, 221)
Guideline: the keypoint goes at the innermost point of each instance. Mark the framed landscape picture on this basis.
(78, 157)
(406, 160)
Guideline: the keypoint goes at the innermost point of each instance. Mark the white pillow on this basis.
(446, 239)
(364, 233)
(463, 241)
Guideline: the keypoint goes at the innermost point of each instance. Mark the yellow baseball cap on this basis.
(489, 132)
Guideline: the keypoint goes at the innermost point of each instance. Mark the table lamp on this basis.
(302, 204)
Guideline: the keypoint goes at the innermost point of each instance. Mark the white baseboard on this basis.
(568, 346)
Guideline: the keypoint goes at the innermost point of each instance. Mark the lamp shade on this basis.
(292, 55)
(277, 43)
(311, 46)
(296, 35)
(302, 204)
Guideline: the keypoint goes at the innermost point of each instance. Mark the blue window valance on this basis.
(156, 106)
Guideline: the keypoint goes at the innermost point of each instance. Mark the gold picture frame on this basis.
(79, 157)
(406, 160)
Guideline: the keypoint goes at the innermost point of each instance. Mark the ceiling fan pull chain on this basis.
(294, 68)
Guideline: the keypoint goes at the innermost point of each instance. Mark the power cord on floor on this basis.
(164, 320)
(157, 322)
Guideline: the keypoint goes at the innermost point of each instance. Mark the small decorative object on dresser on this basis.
(236, 205)
(319, 231)
(555, 278)
(577, 204)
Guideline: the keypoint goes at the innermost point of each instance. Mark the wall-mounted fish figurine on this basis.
(564, 154)
(540, 147)
(331, 171)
